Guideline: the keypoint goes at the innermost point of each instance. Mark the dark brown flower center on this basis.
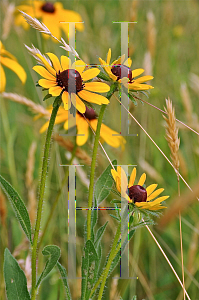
(70, 80)
(90, 114)
(137, 193)
(122, 71)
(48, 7)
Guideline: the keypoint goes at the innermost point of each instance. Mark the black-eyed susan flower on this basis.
(56, 79)
(9, 61)
(50, 14)
(107, 135)
(121, 72)
(136, 193)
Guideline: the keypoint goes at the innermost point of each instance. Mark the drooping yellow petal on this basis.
(82, 128)
(46, 64)
(132, 177)
(151, 188)
(15, 67)
(46, 83)
(155, 194)
(65, 62)
(137, 72)
(43, 72)
(55, 90)
(159, 200)
(98, 87)
(142, 179)
(2, 80)
(90, 74)
(93, 98)
(55, 61)
(108, 135)
(79, 65)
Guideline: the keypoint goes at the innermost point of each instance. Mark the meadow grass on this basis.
(168, 31)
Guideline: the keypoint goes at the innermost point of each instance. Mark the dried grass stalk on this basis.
(23, 100)
(32, 199)
(81, 154)
(172, 133)
(151, 33)
(8, 20)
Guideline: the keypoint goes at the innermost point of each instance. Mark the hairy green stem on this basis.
(57, 198)
(92, 175)
(41, 198)
(104, 274)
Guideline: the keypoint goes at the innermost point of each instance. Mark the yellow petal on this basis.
(142, 179)
(43, 72)
(77, 102)
(128, 62)
(143, 79)
(151, 188)
(155, 194)
(46, 64)
(2, 80)
(65, 62)
(98, 87)
(132, 177)
(66, 100)
(46, 83)
(79, 65)
(55, 90)
(82, 128)
(55, 61)
(108, 57)
(52, 22)
(90, 74)
(93, 98)
(15, 67)
(159, 200)
(137, 72)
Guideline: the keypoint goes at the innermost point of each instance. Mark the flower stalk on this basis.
(56, 105)
(93, 163)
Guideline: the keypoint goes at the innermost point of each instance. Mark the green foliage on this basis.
(63, 273)
(18, 206)
(103, 184)
(15, 279)
(90, 263)
(54, 252)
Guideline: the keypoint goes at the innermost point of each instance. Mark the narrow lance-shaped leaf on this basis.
(63, 273)
(90, 262)
(54, 253)
(104, 184)
(15, 279)
(18, 205)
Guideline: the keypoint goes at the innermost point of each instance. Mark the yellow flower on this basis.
(56, 79)
(50, 14)
(106, 134)
(122, 73)
(9, 61)
(137, 194)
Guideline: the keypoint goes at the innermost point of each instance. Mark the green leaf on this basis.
(15, 279)
(54, 253)
(103, 184)
(133, 99)
(99, 235)
(63, 273)
(115, 217)
(47, 97)
(19, 207)
(90, 263)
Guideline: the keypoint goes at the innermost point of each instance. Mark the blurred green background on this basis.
(164, 42)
